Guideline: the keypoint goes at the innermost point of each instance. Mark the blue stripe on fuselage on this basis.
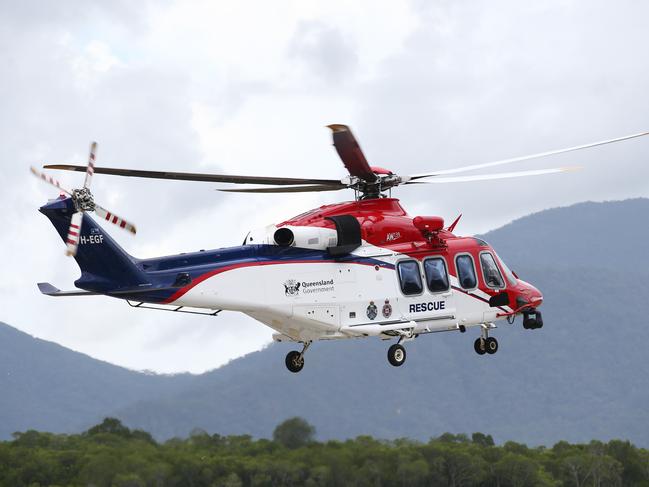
(162, 271)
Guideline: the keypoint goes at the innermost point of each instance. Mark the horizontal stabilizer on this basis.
(50, 290)
(182, 279)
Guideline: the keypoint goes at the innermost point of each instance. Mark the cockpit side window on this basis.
(409, 277)
(466, 271)
(492, 276)
(436, 275)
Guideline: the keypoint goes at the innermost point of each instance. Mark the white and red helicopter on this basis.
(359, 268)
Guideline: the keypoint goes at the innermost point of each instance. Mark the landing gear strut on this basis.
(295, 360)
(485, 344)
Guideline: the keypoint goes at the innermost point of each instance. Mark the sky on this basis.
(248, 88)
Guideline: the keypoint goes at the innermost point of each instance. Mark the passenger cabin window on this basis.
(466, 271)
(409, 277)
(492, 276)
(436, 275)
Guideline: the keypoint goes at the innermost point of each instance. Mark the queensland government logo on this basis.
(291, 287)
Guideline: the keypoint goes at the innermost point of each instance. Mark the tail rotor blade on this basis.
(49, 179)
(114, 219)
(72, 239)
(90, 170)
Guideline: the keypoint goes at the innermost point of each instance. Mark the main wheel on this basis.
(396, 355)
(491, 345)
(479, 346)
(294, 361)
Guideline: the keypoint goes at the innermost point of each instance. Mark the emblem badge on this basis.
(372, 311)
(291, 287)
(387, 309)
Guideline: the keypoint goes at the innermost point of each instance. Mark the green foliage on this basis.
(294, 433)
(112, 455)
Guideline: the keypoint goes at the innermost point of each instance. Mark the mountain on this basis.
(584, 375)
(48, 387)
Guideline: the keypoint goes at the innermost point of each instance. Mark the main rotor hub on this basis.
(374, 189)
(83, 199)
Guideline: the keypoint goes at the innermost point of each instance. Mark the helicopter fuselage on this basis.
(306, 292)
(349, 270)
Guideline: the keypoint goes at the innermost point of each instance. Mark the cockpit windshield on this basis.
(511, 278)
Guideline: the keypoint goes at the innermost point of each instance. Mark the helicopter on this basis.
(359, 268)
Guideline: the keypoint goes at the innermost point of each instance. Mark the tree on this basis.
(128, 480)
(231, 480)
(112, 426)
(413, 473)
(517, 471)
(482, 439)
(461, 467)
(294, 433)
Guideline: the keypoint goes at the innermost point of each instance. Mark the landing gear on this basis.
(485, 344)
(396, 355)
(491, 345)
(295, 360)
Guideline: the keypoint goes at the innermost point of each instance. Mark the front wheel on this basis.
(294, 361)
(396, 355)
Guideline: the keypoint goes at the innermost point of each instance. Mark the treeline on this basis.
(112, 455)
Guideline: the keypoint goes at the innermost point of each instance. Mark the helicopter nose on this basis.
(528, 296)
(535, 297)
(528, 301)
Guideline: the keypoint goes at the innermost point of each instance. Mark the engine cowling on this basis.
(317, 238)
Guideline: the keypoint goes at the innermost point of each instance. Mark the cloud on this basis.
(324, 51)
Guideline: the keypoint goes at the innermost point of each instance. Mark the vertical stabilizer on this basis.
(104, 264)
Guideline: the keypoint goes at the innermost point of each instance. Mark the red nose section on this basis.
(530, 294)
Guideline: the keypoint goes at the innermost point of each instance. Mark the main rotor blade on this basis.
(114, 219)
(91, 165)
(188, 176)
(49, 179)
(488, 177)
(523, 158)
(287, 189)
(72, 239)
(350, 153)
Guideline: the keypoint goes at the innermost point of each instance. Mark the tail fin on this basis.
(104, 264)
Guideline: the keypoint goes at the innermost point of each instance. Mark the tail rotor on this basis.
(83, 202)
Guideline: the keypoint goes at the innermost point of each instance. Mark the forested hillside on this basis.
(111, 455)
